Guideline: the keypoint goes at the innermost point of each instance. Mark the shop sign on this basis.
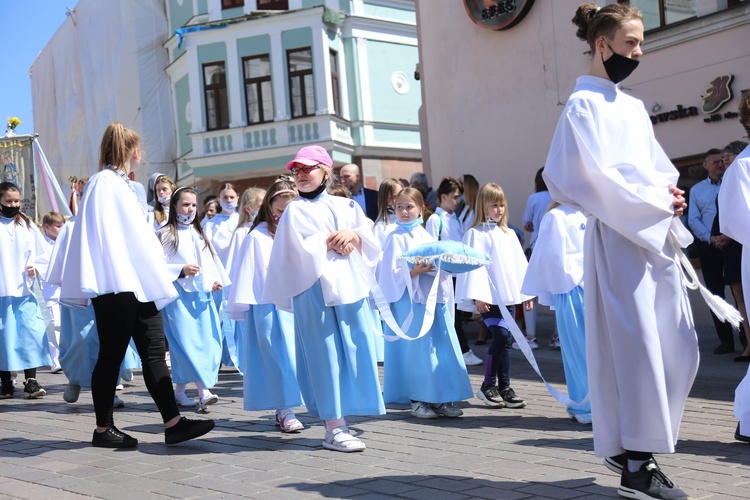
(497, 14)
(717, 94)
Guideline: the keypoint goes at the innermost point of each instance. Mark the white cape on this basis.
(192, 249)
(20, 246)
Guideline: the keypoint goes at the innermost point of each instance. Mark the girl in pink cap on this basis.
(322, 263)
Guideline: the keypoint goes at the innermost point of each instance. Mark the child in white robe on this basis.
(386, 219)
(267, 352)
(444, 225)
(428, 372)
(162, 193)
(734, 220)
(322, 263)
(23, 336)
(555, 276)
(52, 222)
(191, 323)
(641, 345)
(487, 289)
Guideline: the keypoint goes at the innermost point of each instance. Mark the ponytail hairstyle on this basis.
(284, 187)
(168, 234)
(117, 145)
(594, 21)
(385, 191)
(159, 213)
(539, 184)
(251, 197)
(491, 193)
(6, 187)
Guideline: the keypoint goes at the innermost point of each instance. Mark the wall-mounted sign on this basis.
(497, 14)
(717, 94)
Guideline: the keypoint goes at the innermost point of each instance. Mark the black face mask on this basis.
(619, 67)
(9, 212)
(314, 194)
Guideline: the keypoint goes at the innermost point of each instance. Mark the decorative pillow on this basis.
(454, 256)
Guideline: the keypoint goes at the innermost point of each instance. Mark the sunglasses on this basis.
(305, 170)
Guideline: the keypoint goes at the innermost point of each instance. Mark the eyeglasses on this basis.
(305, 170)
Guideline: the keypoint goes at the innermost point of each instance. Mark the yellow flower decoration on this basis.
(13, 122)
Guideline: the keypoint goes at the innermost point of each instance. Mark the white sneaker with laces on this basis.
(339, 439)
(471, 359)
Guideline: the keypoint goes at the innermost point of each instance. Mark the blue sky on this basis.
(27, 27)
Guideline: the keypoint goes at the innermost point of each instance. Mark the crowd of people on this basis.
(307, 285)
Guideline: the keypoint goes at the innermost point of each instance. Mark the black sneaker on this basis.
(187, 429)
(7, 390)
(649, 482)
(490, 395)
(511, 400)
(113, 438)
(32, 389)
(616, 463)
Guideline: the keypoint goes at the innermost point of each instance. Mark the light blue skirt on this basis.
(570, 326)
(79, 346)
(270, 381)
(430, 369)
(191, 325)
(23, 334)
(335, 349)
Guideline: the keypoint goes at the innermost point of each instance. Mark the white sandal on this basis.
(288, 422)
(339, 439)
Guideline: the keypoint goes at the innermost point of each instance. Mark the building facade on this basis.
(492, 98)
(253, 81)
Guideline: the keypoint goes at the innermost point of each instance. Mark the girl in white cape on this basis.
(115, 259)
(322, 263)
(734, 219)
(428, 372)
(268, 352)
(555, 276)
(191, 323)
(487, 289)
(162, 194)
(386, 219)
(23, 336)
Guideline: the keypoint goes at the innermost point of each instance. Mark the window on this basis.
(215, 96)
(258, 96)
(659, 13)
(273, 4)
(230, 4)
(335, 86)
(301, 90)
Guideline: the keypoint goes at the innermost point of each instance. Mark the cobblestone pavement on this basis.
(535, 452)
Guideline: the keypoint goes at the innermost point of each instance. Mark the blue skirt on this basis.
(79, 346)
(270, 381)
(430, 369)
(191, 325)
(335, 349)
(569, 318)
(23, 334)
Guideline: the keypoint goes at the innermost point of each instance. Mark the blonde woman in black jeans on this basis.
(115, 259)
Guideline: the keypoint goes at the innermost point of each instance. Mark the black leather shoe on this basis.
(187, 429)
(113, 438)
(724, 349)
(740, 437)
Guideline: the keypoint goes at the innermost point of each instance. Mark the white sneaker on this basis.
(554, 343)
(582, 418)
(184, 401)
(56, 368)
(532, 343)
(339, 439)
(422, 410)
(471, 359)
(210, 400)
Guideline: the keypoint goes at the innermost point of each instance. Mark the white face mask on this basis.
(185, 219)
(164, 200)
(228, 207)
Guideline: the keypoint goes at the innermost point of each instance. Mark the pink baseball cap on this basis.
(310, 156)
